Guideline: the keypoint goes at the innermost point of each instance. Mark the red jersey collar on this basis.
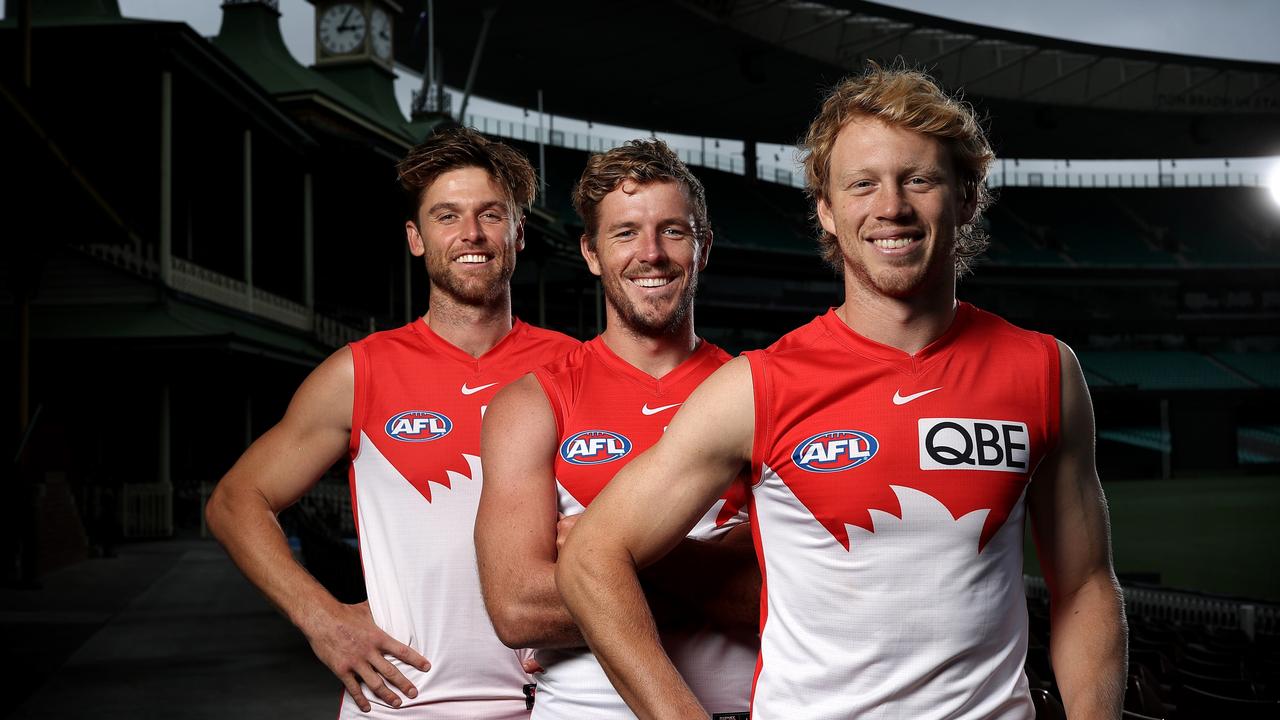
(453, 352)
(606, 354)
(866, 347)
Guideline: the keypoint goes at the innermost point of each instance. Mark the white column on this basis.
(248, 216)
(166, 437)
(308, 246)
(248, 419)
(166, 177)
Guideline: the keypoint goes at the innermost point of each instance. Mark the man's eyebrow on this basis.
(624, 225)
(454, 207)
(442, 206)
(675, 220)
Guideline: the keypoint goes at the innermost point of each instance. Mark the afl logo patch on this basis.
(593, 447)
(835, 450)
(418, 426)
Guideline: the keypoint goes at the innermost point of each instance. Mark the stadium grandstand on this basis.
(195, 222)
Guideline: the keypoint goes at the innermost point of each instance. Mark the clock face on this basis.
(380, 30)
(342, 29)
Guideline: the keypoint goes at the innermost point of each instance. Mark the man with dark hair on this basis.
(554, 438)
(891, 444)
(406, 405)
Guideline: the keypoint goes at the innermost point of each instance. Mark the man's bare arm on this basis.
(273, 473)
(638, 518)
(1073, 538)
(720, 579)
(705, 581)
(516, 523)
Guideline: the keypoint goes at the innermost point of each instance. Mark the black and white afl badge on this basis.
(530, 694)
(744, 715)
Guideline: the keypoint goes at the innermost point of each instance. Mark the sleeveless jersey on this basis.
(607, 413)
(415, 485)
(888, 516)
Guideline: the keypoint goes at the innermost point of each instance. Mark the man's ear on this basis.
(704, 252)
(416, 245)
(825, 218)
(593, 262)
(968, 203)
(520, 234)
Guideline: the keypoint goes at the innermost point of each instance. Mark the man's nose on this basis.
(891, 203)
(651, 248)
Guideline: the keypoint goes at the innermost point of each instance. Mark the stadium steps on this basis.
(1261, 367)
(1147, 437)
(1259, 444)
(1162, 370)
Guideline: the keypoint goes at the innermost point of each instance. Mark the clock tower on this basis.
(354, 31)
(354, 49)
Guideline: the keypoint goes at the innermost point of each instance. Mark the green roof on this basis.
(175, 322)
(250, 36)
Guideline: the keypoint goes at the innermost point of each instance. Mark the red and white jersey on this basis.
(415, 485)
(888, 514)
(608, 412)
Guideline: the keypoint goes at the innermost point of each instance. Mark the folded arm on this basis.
(640, 517)
(516, 523)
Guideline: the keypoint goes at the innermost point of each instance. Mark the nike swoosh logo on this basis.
(473, 390)
(899, 399)
(654, 411)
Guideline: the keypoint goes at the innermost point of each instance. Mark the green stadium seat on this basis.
(1162, 370)
(1195, 704)
(1261, 367)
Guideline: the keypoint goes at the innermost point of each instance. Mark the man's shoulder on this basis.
(566, 368)
(395, 336)
(548, 344)
(991, 327)
(550, 337)
(800, 340)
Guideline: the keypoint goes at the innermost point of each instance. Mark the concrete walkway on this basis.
(163, 630)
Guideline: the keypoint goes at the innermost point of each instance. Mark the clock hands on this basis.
(343, 26)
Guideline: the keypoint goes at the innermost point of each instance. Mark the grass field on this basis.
(1214, 534)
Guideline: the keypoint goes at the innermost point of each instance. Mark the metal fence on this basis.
(1187, 607)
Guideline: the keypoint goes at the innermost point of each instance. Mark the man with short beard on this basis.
(894, 445)
(405, 405)
(553, 439)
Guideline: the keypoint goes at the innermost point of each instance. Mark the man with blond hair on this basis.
(405, 405)
(892, 445)
(553, 439)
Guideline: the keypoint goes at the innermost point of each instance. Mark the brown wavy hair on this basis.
(912, 100)
(643, 161)
(456, 148)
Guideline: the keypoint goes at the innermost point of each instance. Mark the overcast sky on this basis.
(1237, 29)
(1240, 29)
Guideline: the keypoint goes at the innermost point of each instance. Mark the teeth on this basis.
(472, 258)
(651, 282)
(892, 243)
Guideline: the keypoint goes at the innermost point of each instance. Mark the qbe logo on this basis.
(969, 444)
(593, 447)
(418, 426)
(834, 450)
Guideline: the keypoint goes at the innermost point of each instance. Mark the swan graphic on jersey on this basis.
(950, 447)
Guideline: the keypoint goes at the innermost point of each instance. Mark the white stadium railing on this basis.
(1187, 607)
(1007, 172)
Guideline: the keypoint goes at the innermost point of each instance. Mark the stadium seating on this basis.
(1196, 704)
(1047, 706)
(1161, 370)
(1261, 367)
(1177, 670)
